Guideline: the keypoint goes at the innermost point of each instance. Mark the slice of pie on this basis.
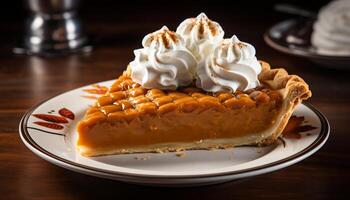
(131, 119)
(191, 89)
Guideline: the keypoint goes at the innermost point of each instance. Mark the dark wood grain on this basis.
(26, 81)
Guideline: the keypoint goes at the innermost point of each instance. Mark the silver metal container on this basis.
(53, 28)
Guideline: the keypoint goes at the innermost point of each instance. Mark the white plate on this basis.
(199, 167)
(281, 35)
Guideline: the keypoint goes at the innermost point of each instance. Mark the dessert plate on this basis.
(293, 37)
(49, 130)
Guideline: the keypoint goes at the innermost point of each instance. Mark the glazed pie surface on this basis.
(131, 119)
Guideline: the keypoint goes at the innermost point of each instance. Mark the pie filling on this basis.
(130, 118)
(189, 127)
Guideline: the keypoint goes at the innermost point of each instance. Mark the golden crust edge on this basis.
(293, 90)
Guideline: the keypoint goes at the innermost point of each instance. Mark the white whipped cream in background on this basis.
(232, 66)
(164, 62)
(201, 35)
(331, 35)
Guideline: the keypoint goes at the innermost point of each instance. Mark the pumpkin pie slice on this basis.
(131, 119)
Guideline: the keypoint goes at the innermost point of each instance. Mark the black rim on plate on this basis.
(272, 42)
(319, 141)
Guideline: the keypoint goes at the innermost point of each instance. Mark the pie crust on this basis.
(131, 119)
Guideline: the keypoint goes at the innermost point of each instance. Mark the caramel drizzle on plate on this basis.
(295, 127)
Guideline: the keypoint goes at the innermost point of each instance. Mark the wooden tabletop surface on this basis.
(28, 80)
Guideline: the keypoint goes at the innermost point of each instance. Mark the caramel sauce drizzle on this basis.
(51, 118)
(50, 125)
(55, 121)
(295, 126)
(64, 112)
(95, 90)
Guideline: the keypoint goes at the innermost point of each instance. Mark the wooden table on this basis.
(26, 81)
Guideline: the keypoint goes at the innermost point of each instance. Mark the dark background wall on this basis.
(115, 22)
(13, 11)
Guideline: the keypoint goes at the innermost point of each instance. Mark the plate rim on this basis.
(278, 47)
(71, 165)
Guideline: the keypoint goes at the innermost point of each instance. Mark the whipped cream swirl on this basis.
(232, 66)
(331, 35)
(201, 35)
(164, 62)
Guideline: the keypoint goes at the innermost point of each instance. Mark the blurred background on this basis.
(125, 23)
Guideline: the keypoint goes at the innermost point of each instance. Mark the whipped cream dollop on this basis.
(201, 36)
(232, 66)
(331, 35)
(164, 62)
